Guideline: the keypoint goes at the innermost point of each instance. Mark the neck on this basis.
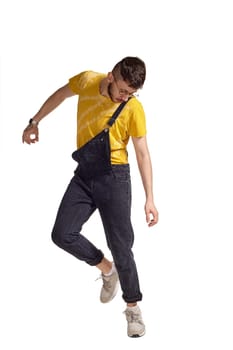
(103, 88)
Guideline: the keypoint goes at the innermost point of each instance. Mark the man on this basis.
(108, 114)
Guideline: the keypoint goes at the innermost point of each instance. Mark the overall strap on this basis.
(117, 112)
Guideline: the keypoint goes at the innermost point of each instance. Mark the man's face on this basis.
(119, 90)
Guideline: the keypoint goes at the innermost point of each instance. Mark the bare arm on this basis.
(145, 168)
(49, 105)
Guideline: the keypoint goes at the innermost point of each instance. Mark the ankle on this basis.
(105, 266)
(131, 304)
(110, 272)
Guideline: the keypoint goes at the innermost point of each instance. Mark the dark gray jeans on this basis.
(111, 195)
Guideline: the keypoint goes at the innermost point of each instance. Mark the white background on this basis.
(49, 300)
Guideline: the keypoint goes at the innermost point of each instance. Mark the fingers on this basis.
(152, 223)
(151, 217)
(30, 135)
(28, 139)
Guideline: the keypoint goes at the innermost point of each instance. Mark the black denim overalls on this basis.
(97, 184)
(94, 158)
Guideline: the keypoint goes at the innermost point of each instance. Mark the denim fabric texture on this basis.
(94, 157)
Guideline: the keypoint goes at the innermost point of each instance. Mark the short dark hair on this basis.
(132, 70)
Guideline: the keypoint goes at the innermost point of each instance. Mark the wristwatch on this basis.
(33, 122)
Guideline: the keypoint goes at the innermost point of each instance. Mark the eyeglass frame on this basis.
(123, 92)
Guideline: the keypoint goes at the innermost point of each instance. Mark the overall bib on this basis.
(94, 158)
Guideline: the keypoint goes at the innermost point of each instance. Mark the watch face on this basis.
(33, 122)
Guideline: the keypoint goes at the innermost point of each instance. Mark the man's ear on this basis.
(110, 77)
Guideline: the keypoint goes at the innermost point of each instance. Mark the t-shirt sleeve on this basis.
(137, 120)
(78, 83)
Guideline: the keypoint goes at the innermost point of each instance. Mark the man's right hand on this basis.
(31, 134)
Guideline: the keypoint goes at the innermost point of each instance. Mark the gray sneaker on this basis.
(136, 327)
(110, 287)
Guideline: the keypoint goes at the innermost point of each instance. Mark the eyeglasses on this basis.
(123, 92)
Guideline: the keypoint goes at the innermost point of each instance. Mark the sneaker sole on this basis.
(137, 335)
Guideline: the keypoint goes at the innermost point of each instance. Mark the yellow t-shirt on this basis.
(95, 110)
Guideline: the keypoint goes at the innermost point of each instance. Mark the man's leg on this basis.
(75, 209)
(113, 199)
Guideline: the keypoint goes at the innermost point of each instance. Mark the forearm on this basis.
(145, 168)
(52, 102)
(31, 133)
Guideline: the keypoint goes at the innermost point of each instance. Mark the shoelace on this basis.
(98, 278)
(106, 281)
(132, 316)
